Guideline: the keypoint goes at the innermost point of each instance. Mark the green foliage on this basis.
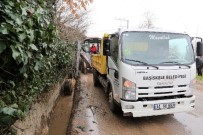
(31, 56)
(199, 78)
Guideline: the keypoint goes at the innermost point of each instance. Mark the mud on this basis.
(82, 117)
(61, 116)
(91, 116)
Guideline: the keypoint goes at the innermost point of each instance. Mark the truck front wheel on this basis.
(112, 105)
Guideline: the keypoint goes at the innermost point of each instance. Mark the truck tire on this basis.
(67, 87)
(106, 89)
(80, 65)
(95, 78)
(112, 105)
(84, 68)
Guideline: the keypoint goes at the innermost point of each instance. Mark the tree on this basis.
(31, 55)
(72, 25)
(148, 22)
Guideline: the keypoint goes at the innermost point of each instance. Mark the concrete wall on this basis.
(36, 122)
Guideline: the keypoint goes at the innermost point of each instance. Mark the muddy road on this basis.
(91, 116)
(106, 123)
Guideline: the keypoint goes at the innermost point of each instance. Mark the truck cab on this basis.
(149, 72)
(85, 52)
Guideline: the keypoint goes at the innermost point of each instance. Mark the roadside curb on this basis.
(82, 120)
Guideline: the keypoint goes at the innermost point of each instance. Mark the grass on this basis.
(199, 78)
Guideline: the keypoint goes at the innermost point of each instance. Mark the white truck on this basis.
(147, 72)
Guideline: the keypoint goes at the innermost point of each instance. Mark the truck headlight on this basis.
(129, 90)
(191, 87)
(192, 83)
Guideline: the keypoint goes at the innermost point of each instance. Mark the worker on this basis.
(93, 49)
(199, 65)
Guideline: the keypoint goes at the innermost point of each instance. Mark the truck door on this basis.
(113, 69)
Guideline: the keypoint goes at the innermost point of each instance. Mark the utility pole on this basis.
(123, 19)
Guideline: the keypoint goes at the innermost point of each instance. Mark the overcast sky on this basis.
(175, 15)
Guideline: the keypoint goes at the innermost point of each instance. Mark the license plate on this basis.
(164, 106)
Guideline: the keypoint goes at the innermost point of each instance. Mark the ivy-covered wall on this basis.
(32, 56)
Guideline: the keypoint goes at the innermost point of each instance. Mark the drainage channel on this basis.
(83, 121)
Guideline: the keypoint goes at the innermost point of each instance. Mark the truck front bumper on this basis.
(149, 108)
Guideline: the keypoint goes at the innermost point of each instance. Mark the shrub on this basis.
(32, 56)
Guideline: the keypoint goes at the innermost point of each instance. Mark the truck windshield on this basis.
(156, 48)
(85, 48)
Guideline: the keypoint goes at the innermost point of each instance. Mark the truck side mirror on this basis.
(199, 50)
(106, 47)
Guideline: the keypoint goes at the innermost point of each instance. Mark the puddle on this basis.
(193, 124)
(91, 122)
(61, 116)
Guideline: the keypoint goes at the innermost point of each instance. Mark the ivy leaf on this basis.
(25, 75)
(14, 106)
(19, 21)
(2, 46)
(30, 23)
(7, 120)
(19, 47)
(20, 114)
(82, 128)
(4, 30)
(11, 3)
(23, 70)
(46, 20)
(29, 54)
(16, 18)
(22, 36)
(15, 53)
(30, 32)
(8, 111)
(24, 11)
(9, 21)
(12, 83)
(37, 65)
(36, 88)
(33, 47)
(7, 11)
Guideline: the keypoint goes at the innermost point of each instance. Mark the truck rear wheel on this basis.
(80, 65)
(95, 78)
(112, 105)
(83, 67)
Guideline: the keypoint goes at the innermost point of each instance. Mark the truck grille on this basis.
(162, 87)
(162, 91)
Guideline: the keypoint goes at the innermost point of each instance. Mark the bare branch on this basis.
(72, 24)
(148, 22)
